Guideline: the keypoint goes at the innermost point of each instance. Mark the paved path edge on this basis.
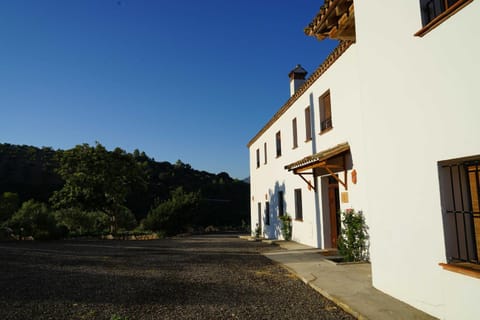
(324, 293)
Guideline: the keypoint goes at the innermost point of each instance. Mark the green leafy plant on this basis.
(118, 317)
(35, 219)
(173, 215)
(9, 204)
(98, 180)
(286, 226)
(258, 230)
(245, 227)
(353, 239)
(81, 222)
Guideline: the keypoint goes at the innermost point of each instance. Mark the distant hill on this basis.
(30, 172)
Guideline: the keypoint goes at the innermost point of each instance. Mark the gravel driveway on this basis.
(201, 277)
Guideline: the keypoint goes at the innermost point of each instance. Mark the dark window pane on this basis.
(278, 142)
(325, 112)
(433, 8)
(267, 213)
(298, 204)
(460, 194)
(265, 152)
(294, 129)
(308, 125)
(281, 211)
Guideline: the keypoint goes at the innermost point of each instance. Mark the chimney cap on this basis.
(298, 73)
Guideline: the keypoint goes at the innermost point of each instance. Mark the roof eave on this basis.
(326, 64)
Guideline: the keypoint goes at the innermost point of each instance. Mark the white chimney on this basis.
(297, 78)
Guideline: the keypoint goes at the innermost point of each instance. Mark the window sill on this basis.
(278, 156)
(465, 268)
(308, 140)
(295, 147)
(299, 220)
(442, 17)
(325, 130)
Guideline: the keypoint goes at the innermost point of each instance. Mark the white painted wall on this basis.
(403, 103)
(342, 81)
(419, 100)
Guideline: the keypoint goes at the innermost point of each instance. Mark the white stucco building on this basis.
(388, 124)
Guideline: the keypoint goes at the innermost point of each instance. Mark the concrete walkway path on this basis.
(348, 285)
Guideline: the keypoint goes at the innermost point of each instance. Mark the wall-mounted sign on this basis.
(354, 176)
(344, 197)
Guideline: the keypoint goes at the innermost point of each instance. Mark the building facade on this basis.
(388, 125)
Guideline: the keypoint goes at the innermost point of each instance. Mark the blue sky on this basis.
(190, 80)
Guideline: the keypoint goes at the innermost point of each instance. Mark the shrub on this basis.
(125, 219)
(353, 239)
(286, 227)
(35, 219)
(258, 230)
(6, 233)
(81, 222)
(9, 202)
(211, 229)
(245, 227)
(173, 215)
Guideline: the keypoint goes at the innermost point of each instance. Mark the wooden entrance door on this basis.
(334, 207)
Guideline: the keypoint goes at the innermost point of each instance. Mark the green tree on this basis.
(97, 180)
(83, 222)
(35, 219)
(9, 203)
(125, 219)
(175, 214)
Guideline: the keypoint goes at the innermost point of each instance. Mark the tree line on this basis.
(88, 189)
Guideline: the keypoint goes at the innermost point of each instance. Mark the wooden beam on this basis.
(334, 166)
(311, 166)
(343, 20)
(347, 37)
(336, 178)
(322, 164)
(308, 182)
(348, 27)
(333, 32)
(331, 22)
(341, 8)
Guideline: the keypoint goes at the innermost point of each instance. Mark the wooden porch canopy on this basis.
(326, 162)
(335, 20)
